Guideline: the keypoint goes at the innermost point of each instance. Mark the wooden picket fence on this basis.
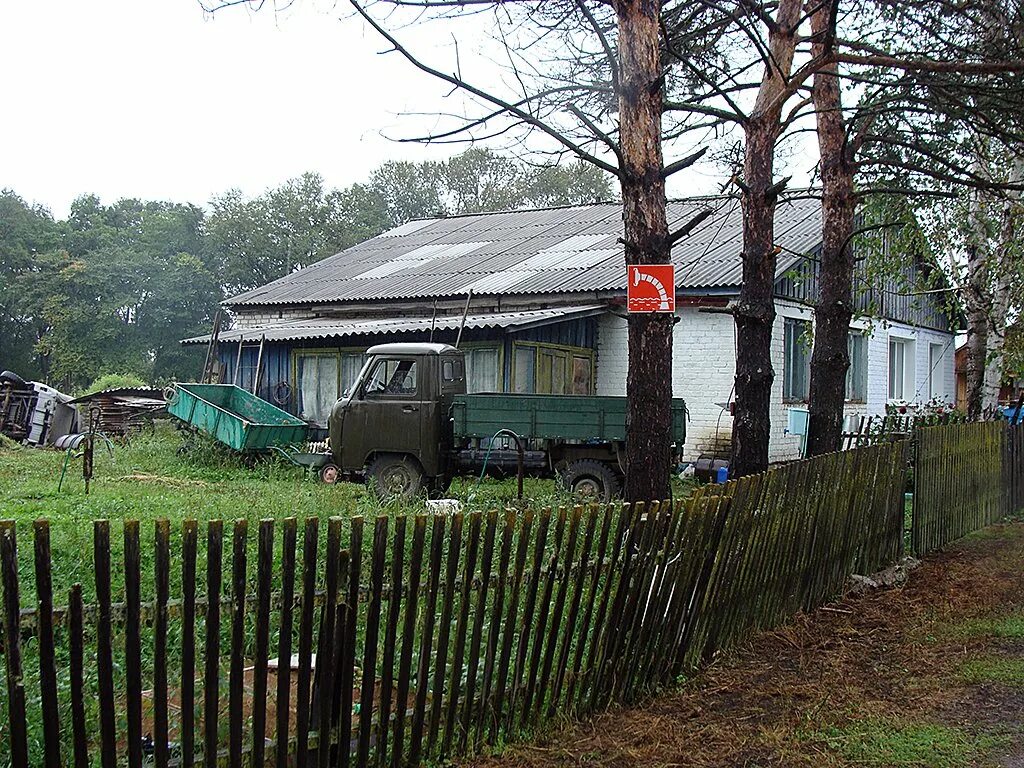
(418, 638)
(1013, 468)
(966, 476)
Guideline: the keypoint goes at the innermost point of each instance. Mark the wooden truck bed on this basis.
(551, 417)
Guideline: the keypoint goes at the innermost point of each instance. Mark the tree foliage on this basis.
(114, 288)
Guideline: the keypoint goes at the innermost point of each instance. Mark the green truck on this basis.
(407, 425)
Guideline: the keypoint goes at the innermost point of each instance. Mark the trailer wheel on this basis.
(395, 477)
(329, 474)
(590, 480)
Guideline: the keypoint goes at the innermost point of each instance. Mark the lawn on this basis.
(159, 474)
(152, 477)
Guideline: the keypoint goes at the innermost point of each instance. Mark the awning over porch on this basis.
(325, 328)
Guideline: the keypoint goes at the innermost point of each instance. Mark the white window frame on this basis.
(790, 344)
(854, 336)
(901, 383)
(936, 372)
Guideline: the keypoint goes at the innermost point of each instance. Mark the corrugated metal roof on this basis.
(558, 250)
(294, 330)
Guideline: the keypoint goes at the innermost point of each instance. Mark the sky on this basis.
(156, 99)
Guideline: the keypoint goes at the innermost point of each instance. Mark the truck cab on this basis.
(393, 425)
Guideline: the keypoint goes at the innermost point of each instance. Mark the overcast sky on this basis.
(156, 100)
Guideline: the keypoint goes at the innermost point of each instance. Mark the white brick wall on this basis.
(704, 366)
(243, 318)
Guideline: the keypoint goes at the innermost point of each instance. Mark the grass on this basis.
(1009, 626)
(992, 669)
(893, 744)
(158, 474)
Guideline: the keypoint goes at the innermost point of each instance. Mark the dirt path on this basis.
(928, 675)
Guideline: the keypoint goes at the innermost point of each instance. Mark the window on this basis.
(318, 385)
(936, 371)
(857, 374)
(351, 364)
(524, 370)
(901, 369)
(321, 376)
(391, 377)
(553, 370)
(483, 370)
(796, 380)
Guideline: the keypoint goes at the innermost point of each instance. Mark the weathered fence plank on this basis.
(468, 630)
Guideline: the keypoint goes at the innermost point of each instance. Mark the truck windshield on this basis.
(391, 377)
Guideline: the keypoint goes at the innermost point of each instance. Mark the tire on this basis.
(14, 379)
(395, 477)
(329, 474)
(591, 480)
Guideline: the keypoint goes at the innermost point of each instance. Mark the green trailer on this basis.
(235, 417)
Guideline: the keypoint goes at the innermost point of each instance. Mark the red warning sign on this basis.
(651, 288)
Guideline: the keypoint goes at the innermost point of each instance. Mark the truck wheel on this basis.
(590, 480)
(395, 477)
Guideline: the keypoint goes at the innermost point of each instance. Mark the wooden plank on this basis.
(104, 649)
(378, 557)
(555, 631)
(264, 575)
(427, 640)
(239, 571)
(444, 629)
(540, 633)
(335, 582)
(511, 618)
(479, 619)
(408, 636)
(387, 677)
(285, 627)
(16, 715)
(603, 628)
(310, 541)
(76, 641)
(526, 625)
(570, 634)
(211, 674)
(47, 666)
(347, 673)
(133, 641)
(187, 683)
(491, 650)
(162, 576)
(461, 630)
(588, 633)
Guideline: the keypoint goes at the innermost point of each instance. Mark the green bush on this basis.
(114, 381)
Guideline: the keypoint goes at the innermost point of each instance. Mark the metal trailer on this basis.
(235, 417)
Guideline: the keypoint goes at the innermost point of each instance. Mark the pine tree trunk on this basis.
(830, 358)
(649, 376)
(755, 309)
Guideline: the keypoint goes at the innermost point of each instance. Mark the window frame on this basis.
(909, 369)
(490, 347)
(568, 351)
(336, 352)
(385, 395)
(849, 394)
(787, 367)
(932, 380)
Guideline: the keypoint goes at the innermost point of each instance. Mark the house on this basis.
(547, 314)
(1012, 388)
